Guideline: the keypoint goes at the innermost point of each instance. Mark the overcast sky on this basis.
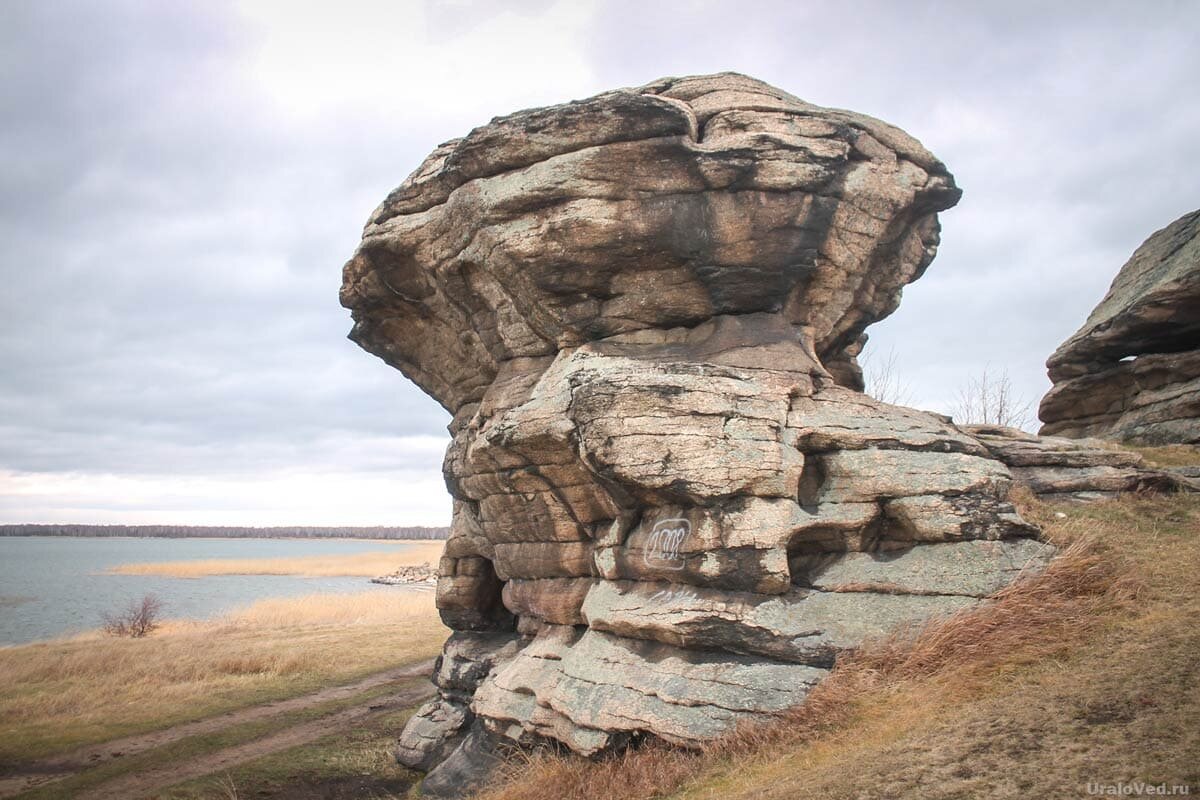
(180, 184)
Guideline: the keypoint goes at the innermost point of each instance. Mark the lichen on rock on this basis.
(673, 506)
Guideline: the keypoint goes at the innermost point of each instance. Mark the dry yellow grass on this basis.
(353, 565)
(1084, 673)
(1170, 455)
(364, 608)
(1115, 702)
(61, 694)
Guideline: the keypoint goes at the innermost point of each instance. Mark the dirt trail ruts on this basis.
(31, 776)
(144, 782)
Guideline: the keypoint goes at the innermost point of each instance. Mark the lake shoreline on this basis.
(356, 532)
(66, 585)
(71, 692)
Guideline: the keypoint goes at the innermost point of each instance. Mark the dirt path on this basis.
(66, 765)
(146, 781)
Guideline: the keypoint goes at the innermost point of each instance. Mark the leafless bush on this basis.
(882, 376)
(990, 399)
(226, 787)
(138, 619)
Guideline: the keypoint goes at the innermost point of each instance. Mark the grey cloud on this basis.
(170, 257)
(1070, 126)
(170, 243)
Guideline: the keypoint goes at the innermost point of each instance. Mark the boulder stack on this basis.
(673, 506)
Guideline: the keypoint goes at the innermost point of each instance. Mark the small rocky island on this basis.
(673, 504)
(412, 574)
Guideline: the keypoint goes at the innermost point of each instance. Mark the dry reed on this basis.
(354, 565)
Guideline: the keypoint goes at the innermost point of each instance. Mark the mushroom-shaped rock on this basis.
(672, 504)
(644, 209)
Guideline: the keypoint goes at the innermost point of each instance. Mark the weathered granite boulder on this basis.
(1055, 468)
(1189, 474)
(1132, 372)
(673, 506)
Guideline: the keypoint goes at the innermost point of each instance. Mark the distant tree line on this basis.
(232, 532)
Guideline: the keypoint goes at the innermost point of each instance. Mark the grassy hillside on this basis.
(1087, 674)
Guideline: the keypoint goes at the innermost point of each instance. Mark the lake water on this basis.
(55, 585)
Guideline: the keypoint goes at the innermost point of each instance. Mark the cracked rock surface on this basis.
(1058, 468)
(673, 506)
(1132, 372)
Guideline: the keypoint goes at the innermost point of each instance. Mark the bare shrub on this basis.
(882, 377)
(138, 619)
(990, 399)
(226, 787)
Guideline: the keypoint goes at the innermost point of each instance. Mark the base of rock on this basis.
(466, 769)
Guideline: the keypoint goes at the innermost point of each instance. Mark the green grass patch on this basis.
(351, 764)
(193, 747)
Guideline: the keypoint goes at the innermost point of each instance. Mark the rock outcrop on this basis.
(673, 506)
(1056, 468)
(1132, 372)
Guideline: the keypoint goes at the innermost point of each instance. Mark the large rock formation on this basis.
(1132, 372)
(672, 504)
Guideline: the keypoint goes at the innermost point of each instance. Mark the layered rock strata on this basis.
(1057, 468)
(1132, 372)
(673, 506)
